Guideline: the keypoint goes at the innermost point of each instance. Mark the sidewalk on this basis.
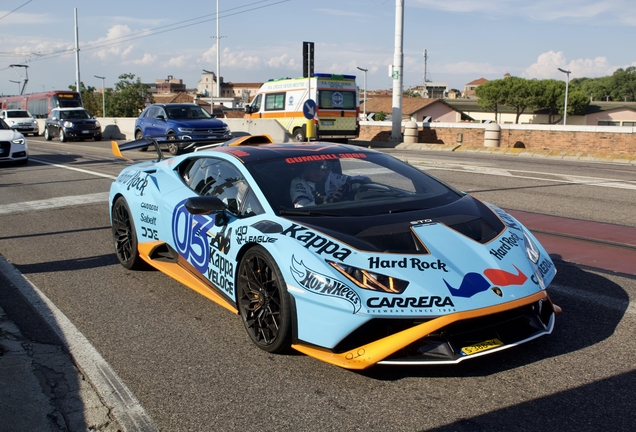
(41, 388)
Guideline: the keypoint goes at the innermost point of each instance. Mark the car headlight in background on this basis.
(369, 280)
(185, 130)
(97, 125)
(67, 124)
(18, 141)
(532, 252)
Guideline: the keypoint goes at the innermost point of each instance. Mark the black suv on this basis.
(72, 123)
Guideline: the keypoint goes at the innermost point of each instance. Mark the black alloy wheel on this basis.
(263, 301)
(125, 237)
(47, 135)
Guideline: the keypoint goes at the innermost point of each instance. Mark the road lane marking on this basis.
(531, 175)
(95, 173)
(51, 203)
(125, 406)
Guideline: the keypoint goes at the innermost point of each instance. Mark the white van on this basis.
(336, 97)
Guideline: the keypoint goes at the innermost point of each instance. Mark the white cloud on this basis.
(283, 61)
(146, 60)
(177, 62)
(547, 65)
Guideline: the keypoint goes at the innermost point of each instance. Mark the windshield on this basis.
(187, 113)
(74, 114)
(18, 114)
(348, 184)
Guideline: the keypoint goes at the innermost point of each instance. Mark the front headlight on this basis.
(185, 130)
(18, 141)
(532, 251)
(11, 122)
(97, 125)
(369, 280)
(67, 124)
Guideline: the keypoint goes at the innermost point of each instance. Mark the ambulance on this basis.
(337, 106)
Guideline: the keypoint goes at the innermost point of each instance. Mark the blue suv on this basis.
(176, 121)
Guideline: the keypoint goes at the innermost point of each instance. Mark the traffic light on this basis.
(308, 59)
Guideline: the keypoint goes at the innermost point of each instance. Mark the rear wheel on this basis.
(139, 135)
(299, 135)
(263, 301)
(125, 236)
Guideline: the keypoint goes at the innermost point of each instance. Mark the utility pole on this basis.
(425, 89)
(77, 67)
(396, 73)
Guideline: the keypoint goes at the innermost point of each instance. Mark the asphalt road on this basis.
(192, 366)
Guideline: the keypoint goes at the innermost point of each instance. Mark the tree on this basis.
(129, 97)
(91, 100)
(521, 94)
(550, 95)
(623, 84)
(491, 95)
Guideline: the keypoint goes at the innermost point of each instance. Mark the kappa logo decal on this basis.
(474, 283)
(324, 285)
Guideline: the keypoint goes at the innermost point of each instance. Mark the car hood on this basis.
(9, 135)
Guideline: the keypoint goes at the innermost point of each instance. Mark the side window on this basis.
(215, 177)
(275, 102)
(256, 103)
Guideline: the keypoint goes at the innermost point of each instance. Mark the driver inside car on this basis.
(318, 184)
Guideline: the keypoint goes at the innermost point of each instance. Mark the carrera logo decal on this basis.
(316, 243)
(505, 245)
(324, 285)
(474, 283)
(409, 302)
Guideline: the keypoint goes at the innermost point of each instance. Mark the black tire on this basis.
(125, 236)
(47, 135)
(263, 301)
(23, 161)
(139, 135)
(97, 137)
(63, 136)
(299, 135)
(173, 146)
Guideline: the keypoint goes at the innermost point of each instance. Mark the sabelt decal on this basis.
(505, 245)
(316, 243)
(318, 283)
(474, 283)
(152, 220)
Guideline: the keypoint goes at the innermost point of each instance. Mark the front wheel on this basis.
(97, 138)
(47, 135)
(263, 301)
(125, 236)
(173, 146)
(63, 136)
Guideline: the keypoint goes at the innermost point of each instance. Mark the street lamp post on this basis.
(365, 91)
(103, 94)
(567, 84)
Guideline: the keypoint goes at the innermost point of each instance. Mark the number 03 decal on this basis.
(190, 236)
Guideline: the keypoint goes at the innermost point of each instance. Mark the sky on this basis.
(262, 39)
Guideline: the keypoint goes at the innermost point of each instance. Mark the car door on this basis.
(206, 241)
(53, 123)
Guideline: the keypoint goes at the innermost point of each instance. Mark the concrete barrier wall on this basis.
(589, 139)
(124, 128)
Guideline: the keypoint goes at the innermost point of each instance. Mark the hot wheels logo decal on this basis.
(324, 285)
(474, 283)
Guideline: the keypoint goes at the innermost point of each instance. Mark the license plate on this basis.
(85, 131)
(326, 123)
(482, 346)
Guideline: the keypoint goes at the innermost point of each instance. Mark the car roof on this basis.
(70, 108)
(300, 152)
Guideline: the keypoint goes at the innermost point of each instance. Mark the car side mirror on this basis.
(248, 109)
(206, 205)
(161, 117)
